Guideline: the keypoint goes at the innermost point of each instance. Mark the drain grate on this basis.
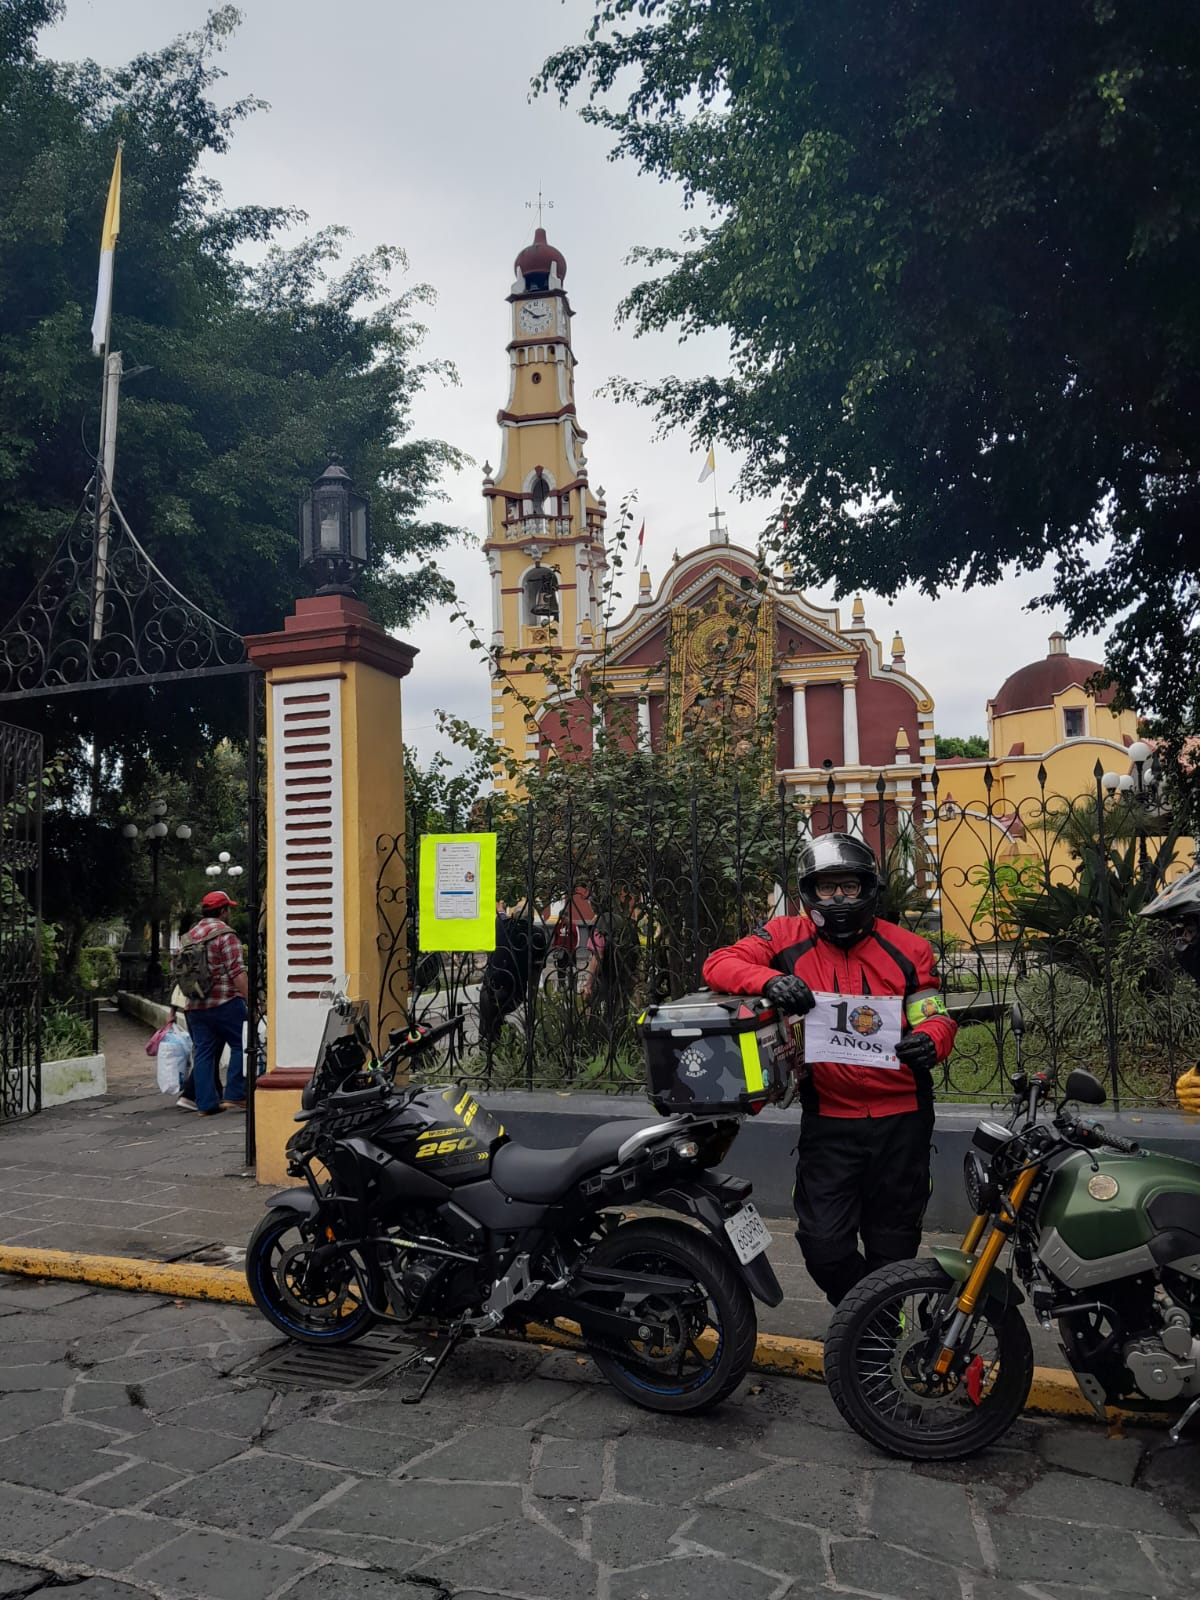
(351, 1366)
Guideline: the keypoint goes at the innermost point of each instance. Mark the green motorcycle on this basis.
(932, 1359)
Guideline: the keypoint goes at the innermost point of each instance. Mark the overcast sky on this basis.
(410, 123)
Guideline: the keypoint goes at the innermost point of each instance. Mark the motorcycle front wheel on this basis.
(711, 1328)
(311, 1302)
(879, 1354)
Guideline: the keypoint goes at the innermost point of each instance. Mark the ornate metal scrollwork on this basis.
(130, 624)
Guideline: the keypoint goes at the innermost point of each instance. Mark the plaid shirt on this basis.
(224, 961)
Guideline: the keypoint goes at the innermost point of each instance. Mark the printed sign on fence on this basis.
(457, 909)
(858, 1030)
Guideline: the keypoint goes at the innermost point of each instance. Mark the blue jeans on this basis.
(211, 1028)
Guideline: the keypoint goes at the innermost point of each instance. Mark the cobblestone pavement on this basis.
(141, 1456)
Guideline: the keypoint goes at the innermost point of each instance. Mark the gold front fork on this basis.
(974, 1233)
(974, 1287)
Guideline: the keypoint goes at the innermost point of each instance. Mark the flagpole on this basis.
(106, 457)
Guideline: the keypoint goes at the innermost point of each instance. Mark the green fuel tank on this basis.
(1111, 1216)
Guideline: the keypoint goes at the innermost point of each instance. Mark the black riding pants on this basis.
(860, 1178)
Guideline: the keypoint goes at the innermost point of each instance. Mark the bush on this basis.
(98, 968)
(65, 1036)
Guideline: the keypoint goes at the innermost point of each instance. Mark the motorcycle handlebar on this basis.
(1096, 1134)
(413, 1043)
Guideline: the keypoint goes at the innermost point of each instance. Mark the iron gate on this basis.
(20, 922)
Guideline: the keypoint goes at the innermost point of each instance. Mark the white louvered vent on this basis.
(307, 935)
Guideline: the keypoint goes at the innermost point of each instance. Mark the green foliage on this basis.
(1156, 1007)
(251, 377)
(65, 1035)
(954, 252)
(439, 799)
(98, 968)
(975, 747)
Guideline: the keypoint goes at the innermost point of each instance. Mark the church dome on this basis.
(539, 257)
(1034, 687)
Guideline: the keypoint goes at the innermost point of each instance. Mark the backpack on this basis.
(190, 970)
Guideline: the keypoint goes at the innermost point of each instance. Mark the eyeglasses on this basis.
(848, 888)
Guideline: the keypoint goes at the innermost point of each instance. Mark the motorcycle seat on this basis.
(543, 1175)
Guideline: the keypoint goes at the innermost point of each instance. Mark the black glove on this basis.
(918, 1051)
(790, 994)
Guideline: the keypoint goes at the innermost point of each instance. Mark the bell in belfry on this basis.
(543, 594)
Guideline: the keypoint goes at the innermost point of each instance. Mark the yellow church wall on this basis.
(1045, 727)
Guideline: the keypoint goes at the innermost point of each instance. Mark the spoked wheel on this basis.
(710, 1329)
(312, 1301)
(879, 1355)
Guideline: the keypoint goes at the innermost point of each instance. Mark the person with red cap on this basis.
(210, 970)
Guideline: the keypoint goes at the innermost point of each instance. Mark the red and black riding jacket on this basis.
(887, 960)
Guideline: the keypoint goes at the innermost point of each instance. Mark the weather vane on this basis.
(539, 203)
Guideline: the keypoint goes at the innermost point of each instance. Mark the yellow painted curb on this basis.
(181, 1280)
(1054, 1390)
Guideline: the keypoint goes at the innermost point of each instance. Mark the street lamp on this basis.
(156, 832)
(335, 531)
(224, 864)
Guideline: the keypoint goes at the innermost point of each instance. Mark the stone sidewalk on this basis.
(143, 1456)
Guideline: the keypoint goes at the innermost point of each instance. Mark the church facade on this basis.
(721, 641)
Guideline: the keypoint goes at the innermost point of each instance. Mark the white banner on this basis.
(854, 1029)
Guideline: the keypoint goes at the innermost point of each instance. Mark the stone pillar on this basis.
(799, 726)
(850, 756)
(335, 783)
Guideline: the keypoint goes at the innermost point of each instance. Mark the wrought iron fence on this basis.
(610, 901)
(20, 922)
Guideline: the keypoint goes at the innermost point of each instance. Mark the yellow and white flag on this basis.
(710, 465)
(108, 241)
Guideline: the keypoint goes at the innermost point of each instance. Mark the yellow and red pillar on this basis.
(335, 784)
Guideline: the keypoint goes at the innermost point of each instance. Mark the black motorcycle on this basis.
(418, 1209)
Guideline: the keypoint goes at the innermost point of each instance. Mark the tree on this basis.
(974, 747)
(251, 376)
(955, 254)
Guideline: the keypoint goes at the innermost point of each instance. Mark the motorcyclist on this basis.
(862, 1168)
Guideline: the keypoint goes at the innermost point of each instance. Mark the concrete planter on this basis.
(79, 1078)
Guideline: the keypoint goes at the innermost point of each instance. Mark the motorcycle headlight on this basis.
(977, 1177)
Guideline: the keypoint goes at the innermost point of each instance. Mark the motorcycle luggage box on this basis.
(714, 1052)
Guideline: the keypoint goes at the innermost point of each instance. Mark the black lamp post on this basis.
(156, 832)
(1138, 788)
(335, 531)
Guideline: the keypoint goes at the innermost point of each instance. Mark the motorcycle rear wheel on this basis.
(326, 1310)
(875, 1354)
(714, 1337)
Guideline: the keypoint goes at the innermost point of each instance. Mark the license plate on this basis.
(747, 1233)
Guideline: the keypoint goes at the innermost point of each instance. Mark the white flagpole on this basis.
(109, 393)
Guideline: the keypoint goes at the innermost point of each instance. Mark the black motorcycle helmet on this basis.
(841, 921)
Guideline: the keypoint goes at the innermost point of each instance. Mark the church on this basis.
(719, 634)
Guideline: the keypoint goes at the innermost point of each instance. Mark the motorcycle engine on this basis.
(411, 1277)
(1167, 1364)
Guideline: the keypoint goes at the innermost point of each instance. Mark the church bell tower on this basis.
(545, 529)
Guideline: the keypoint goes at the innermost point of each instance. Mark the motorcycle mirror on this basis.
(1016, 1019)
(1083, 1086)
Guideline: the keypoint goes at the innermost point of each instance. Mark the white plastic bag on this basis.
(174, 1059)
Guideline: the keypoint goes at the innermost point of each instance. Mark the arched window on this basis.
(539, 597)
(539, 490)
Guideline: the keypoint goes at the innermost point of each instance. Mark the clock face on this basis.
(536, 316)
